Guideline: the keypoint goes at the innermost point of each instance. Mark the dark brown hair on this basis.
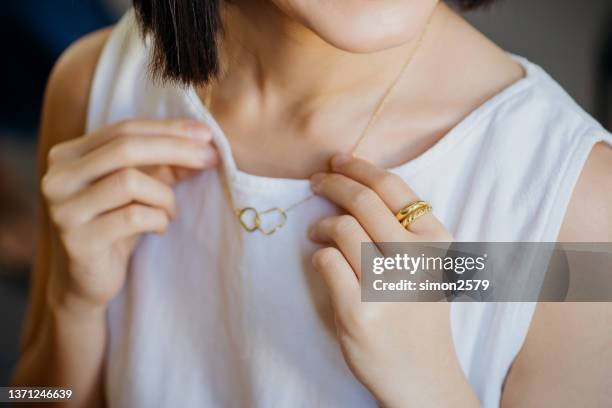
(185, 34)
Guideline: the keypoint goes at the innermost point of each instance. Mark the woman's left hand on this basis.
(402, 352)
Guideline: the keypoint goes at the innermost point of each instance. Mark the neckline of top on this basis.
(247, 181)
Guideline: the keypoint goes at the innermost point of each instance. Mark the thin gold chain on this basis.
(388, 93)
(364, 133)
(377, 111)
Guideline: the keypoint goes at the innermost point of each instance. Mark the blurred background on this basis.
(571, 39)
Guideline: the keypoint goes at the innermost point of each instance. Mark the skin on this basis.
(110, 186)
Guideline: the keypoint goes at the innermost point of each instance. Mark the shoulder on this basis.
(589, 215)
(565, 359)
(552, 155)
(579, 142)
(67, 93)
(554, 356)
(74, 69)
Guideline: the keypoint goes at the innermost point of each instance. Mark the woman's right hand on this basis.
(106, 189)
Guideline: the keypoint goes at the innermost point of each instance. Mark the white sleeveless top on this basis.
(212, 316)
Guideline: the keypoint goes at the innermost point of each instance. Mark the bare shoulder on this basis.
(589, 215)
(567, 354)
(566, 358)
(67, 94)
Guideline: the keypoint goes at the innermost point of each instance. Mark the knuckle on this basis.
(127, 181)
(64, 217)
(388, 181)
(360, 320)
(166, 195)
(364, 197)
(55, 153)
(325, 258)
(50, 184)
(344, 224)
(158, 221)
(126, 147)
(46, 185)
(134, 215)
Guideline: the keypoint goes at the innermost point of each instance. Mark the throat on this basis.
(281, 148)
(284, 123)
(297, 147)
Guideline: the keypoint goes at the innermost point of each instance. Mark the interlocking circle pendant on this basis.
(267, 222)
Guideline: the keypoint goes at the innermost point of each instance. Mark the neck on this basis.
(282, 62)
(289, 100)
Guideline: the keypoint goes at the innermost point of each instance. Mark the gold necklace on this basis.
(250, 218)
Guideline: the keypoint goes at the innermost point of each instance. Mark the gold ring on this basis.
(405, 212)
(412, 212)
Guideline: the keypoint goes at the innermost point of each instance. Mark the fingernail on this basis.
(208, 155)
(198, 130)
(340, 159)
(316, 180)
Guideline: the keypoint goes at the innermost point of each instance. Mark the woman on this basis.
(220, 306)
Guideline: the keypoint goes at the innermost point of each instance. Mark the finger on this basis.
(165, 174)
(169, 175)
(126, 222)
(131, 151)
(390, 187)
(114, 191)
(78, 147)
(347, 234)
(363, 203)
(338, 277)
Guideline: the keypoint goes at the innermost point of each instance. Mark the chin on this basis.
(363, 26)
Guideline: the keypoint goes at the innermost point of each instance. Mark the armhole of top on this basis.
(106, 68)
(568, 179)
